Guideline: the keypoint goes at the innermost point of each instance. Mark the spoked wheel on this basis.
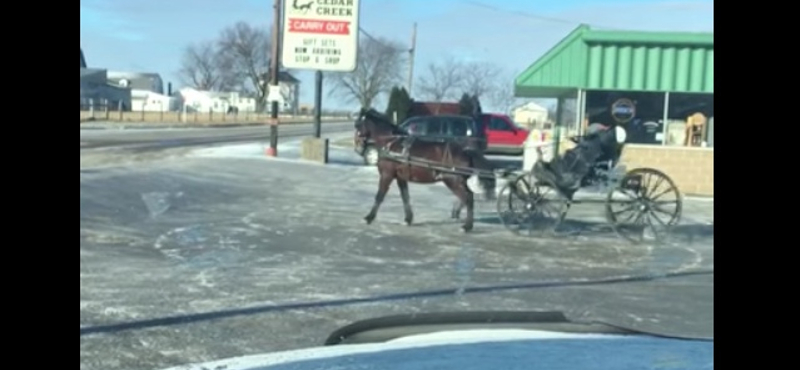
(644, 206)
(512, 202)
(527, 207)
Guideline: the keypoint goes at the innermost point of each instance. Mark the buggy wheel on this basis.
(644, 206)
(528, 207)
(512, 200)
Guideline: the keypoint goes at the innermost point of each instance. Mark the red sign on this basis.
(317, 26)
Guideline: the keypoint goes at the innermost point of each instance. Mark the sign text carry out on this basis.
(320, 35)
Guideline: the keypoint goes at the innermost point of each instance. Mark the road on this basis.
(158, 139)
(190, 240)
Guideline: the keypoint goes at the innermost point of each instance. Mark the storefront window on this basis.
(690, 120)
(568, 124)
(641, 114)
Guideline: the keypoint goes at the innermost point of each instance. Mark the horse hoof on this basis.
(368, 220)
(466, 228)
(409, 222)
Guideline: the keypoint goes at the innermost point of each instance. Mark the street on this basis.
(154, 139)
(203, 232)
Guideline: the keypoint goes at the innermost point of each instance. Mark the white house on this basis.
(289, 101)
(530, 114)
(146, 89)
(218, 102)
(148, 101)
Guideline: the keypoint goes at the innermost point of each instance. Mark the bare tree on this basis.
(501, 95)
(378, 69)
(480, 78)
(201, 67)
(442, 80)
(245, 51)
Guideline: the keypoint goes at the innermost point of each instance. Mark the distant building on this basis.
(290, 92)
(137, 81)
(530, 115)
(202, 101)
(98, 93)
(147, 91)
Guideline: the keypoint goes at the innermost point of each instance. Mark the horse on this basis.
(373, 125)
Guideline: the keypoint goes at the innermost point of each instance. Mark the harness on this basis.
(404, 156)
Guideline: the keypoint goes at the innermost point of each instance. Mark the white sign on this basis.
(320, 35)
(274, 94)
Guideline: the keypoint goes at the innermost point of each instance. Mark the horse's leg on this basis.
(403, 185)
(456, 212)
(459, 187)
(457, 207)
(383, 186)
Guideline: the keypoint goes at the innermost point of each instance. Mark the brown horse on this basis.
(442, 154)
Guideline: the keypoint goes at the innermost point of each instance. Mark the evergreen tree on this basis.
(476, 106)
(391, 106)
(466, 105)
(404, 103)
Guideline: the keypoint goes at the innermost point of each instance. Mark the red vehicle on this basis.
(503, 136)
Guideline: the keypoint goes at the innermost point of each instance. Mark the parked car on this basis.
(463, 130)
(492, 133)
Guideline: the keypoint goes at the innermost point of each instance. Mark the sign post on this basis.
(318, 103)
(320, 35)
(274, 87)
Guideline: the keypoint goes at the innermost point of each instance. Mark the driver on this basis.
(595, 128)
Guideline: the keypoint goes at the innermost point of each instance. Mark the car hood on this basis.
(487, 349)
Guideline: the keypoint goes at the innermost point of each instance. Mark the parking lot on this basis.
(218, 230)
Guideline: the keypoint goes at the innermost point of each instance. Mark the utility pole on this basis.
(272, 151)
(411, 58)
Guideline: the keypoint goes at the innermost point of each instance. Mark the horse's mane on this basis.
(379, 118)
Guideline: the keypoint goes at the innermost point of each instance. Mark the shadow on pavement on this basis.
(681, 234)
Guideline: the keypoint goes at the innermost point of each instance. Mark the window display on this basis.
(690, 120)
(641, 114)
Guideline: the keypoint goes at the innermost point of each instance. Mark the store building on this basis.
(658, 85)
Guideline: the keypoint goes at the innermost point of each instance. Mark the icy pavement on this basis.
(228, 228)
(697, 210)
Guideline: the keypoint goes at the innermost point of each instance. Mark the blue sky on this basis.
(149, 35)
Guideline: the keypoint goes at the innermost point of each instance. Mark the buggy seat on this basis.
(601, 147)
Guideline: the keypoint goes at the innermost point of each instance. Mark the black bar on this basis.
(318, 104)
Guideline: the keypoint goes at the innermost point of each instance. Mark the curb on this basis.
(156, 126)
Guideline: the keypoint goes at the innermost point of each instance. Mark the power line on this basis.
(497, 9)
(362, 30)
(533, 15)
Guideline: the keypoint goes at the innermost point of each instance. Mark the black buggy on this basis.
(640, 204)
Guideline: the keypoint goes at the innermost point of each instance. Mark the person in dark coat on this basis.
(567, 171)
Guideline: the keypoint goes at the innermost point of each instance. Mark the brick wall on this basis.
(692, 169)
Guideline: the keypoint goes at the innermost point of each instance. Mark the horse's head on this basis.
(372, 124)
(360, 126)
